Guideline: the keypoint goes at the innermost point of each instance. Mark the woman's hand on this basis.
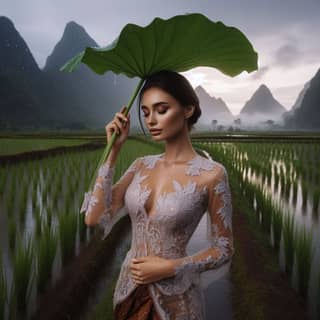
(120, 124)
(151, 268)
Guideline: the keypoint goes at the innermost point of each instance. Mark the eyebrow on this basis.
(156, 104)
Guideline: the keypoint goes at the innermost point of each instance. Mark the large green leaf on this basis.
(179, 43)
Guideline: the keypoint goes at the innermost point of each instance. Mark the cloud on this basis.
(256, 75)
(287, 55)
(284, 39)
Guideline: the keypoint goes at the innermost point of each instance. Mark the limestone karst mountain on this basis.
(96, 97)
(263, 102)
(305, 114)
(213, 108)
(20, 80)
(35, 98)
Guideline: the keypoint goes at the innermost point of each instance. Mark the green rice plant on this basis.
(55, 197)
(82, 226)
(267, 213)
(304, 254)
(10, 201)
(49, 216)
(317, 177)
(304, 194)
(17, 145)
(276, 225)
(12, 230)
(22, 207)
(38, 222)
(69, 198)
(318, 296)
(249, 189)
(3, 181)
(43, 195)
(260, 201)
(282, 185)
(34, 192)
(3, 289)
(23, 274)
(67, 235)
(287, 187)
(25, 193)
(315, 200)
(295, 191)
(46, 251)
(276, 181)
(269, 176)
(288, 240)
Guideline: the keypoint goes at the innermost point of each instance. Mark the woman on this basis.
(166, 196)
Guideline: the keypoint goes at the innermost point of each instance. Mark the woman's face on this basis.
(162, 111)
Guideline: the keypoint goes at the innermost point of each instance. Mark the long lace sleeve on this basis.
(102, 204)
(220, 235)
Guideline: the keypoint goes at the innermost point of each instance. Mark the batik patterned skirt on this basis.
(137, 306)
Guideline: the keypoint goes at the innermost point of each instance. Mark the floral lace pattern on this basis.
(166, 232)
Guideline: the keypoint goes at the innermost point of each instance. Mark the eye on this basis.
(162, 111)
(159, 110)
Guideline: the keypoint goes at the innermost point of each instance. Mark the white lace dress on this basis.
(193, 188)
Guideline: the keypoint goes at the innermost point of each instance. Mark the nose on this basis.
(151, 119)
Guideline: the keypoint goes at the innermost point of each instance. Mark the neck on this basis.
(179, 148)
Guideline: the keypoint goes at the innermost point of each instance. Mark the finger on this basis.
(121, 116)
(138, 282)
(119, 124)
(134, 274)
(134, 268)
(138, 278)
(123, 121)
(114, 127)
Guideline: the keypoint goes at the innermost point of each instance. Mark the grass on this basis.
(288, 238)
(277, 224)
(304, 254)
(23, 275)
(67, 234)
(3, 289)
(46, 251)
(12, 146)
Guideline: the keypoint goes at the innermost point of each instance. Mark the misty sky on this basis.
(285, 33)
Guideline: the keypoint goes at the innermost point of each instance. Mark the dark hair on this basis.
(176, 85)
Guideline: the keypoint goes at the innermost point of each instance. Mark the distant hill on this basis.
(20, 80)
(94, 97)
(288, 114)
(263, 102)
(305, 114)
(213, 108)
(31, 97)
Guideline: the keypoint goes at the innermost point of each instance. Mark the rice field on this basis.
(282, 183)
(41, 227)
(12, 146)
(42, 230)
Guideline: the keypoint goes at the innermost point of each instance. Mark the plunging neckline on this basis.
(146, 191)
